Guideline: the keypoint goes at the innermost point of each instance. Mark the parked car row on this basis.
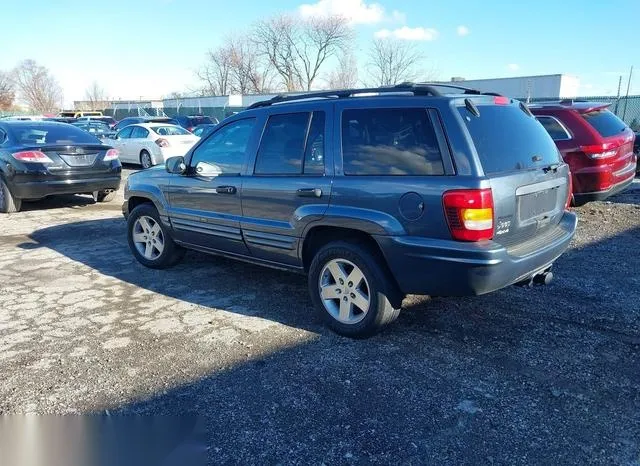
(373, 194)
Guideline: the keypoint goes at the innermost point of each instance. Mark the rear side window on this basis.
(390, 141)
(507, 139)
(139, 132)
(125, 133)
(555, 129)
(605, 122)
(170, 130)
(285, 148)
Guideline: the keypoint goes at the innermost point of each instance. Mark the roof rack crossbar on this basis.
(416, 89)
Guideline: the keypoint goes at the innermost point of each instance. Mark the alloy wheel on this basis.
(148, 237)
(344, 291)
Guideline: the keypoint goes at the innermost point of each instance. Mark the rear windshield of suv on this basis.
(605, 122)
(507, 139)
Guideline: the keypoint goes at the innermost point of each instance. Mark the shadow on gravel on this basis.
(520, 376)
(57, 202)
(200, 278)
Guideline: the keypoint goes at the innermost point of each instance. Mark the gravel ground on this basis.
(520, 376)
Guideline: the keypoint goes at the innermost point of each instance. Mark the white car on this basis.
(150, 144)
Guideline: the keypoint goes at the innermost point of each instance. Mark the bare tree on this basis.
(7, 92)
(37, 87)
(298, 48)
(96, 97)
(345, 76)
(251, 72)
(216, 73)
(393, 61)
(275, 37)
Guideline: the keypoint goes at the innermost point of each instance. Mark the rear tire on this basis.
(145, 159)
(8, 202)
(340, 300)
(104, 196)
(150, 240)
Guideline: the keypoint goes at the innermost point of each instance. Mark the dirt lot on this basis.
(543, 375)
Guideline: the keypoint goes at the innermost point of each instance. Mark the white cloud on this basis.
(357, 11)
(398, 17)
(513, 67)
(407, 33)
(463, 30)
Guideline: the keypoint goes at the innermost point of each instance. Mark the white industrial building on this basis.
(552, 86)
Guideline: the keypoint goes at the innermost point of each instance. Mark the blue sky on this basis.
(149, 48)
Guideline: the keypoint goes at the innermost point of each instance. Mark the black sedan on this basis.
(40, 159)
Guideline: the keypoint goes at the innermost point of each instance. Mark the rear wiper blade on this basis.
(551, 168)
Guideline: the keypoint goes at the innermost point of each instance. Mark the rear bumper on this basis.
(583, 198)
(43, 188)
(596, 183)
(450, 268)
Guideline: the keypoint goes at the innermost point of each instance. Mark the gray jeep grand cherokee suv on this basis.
(374, 193)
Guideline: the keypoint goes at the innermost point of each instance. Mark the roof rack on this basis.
(416, 89)
(420, 89)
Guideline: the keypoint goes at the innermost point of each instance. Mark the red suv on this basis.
(595, 143)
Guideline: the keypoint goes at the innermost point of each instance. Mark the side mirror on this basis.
(208, 170)
(175, 165)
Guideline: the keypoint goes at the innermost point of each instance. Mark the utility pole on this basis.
(618, 97)
(626, 99)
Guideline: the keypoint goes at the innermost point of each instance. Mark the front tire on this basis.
(352, 290)
(145, 159)
(8, 202)
(150, 241)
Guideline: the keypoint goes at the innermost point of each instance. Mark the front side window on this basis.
(224, 151)
(555, 129)
(390, 141)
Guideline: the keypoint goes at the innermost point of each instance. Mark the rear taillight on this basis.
(190, 129)
(469, 213)
(501, 100)
(600, 151)
(32, 156)
(162, 142)
(570, 193)
(112, 154)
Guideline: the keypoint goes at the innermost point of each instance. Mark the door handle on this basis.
(226, 189)
(310, 192)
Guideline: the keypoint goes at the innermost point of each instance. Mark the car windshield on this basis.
(43, 134)
(169, 130)
(605, 122)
